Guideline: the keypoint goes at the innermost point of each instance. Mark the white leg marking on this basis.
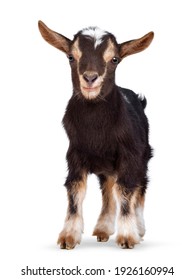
(106, 223)
(127, 226)
(71, 233)
(140, 220)
(73, 226)
(128, 232)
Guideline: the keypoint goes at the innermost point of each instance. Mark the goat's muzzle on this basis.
(90, 77)
(90, 83)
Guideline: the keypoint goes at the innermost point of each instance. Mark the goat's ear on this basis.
(135, 46)
(55, 39)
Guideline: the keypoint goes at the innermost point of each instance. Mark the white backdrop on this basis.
(34, 90)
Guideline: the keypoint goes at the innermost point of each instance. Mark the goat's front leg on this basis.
(130, 220)
(105, 224)
(70, 236)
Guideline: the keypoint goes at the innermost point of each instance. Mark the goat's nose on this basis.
(90, 77)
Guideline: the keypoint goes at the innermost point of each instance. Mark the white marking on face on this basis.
(95, 33)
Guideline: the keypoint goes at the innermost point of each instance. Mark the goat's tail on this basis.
(143, 100)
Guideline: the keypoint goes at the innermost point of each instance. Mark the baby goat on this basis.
(108, 133)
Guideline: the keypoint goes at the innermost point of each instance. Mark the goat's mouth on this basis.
(91, 89)
(90, 92)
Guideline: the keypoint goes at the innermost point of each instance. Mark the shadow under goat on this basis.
(108, 134)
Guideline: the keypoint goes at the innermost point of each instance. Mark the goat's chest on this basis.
(91, 128)
(95, 134)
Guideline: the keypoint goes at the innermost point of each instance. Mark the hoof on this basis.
(101, 235)
(126, 242)
(67, 242)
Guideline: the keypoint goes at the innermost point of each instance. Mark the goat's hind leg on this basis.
(70, 236)
(106, 221)
(139, 209)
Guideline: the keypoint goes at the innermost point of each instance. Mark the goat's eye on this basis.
(115, 60)
(71, 57)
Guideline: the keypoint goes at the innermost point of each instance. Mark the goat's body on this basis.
(103, 133)
(108, 133)
(110, 139)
